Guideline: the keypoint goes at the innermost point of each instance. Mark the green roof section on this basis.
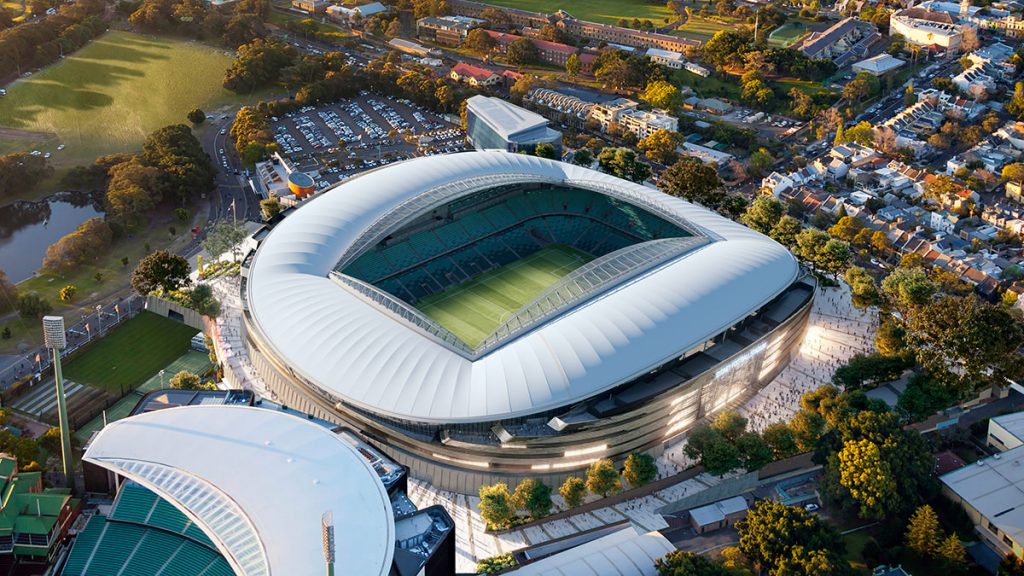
(30, 516)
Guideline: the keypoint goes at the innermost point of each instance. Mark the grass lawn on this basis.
(808, 87)
(193, 361)
(473, 309)
(130, 354)
(109, 95)
(603, 11)
(702, 29)
(119, 411)
(855, 548)
(282, 19)
(709, 87)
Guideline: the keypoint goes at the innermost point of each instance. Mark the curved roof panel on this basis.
(257, 482)
(355, 351)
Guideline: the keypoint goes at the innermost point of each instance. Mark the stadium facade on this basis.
(671, 314)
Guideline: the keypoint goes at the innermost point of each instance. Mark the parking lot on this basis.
(340, 139)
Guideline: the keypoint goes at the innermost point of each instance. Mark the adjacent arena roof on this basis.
(257, 483)
(354, 349)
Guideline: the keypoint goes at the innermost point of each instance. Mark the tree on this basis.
(760, 162)
(731, 424)
(602, 478)
(185, 380)
(91, 239)
(202, 300)
(258, 64)
(763, 214)
(785, 539)
(270, 207)
(196, 116)
(868, 478)
(186, 170)
(952, 552)
(923, 533)
(225, 237)
(32, 305)
(906, 289)
(966, 342)
(134, 189)
(808, 427)
(545, 150)
(639, 469)
(863, 288)
(1016, 104)
(862, 133)
(679, 563)
(160, 270)
(573, 65)
(712, 450)
(522, 52)
(1014, 172)
(582, 157)
(754, 451)
(693, 180)
(496, 506)
(801, 104)
(479, 41)
(67, 293)
(941, 187)
(780, 439)
(785, 230)
(573, 490)
(622, 162)
(534, 496)
(660, 146)
(662, 94)
(496, 563)
(8, 293)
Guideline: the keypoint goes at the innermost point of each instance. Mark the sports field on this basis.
(109, 95)
(603, 11)
(786, 35)
(473, 309)
(702, 29)
(130, 354)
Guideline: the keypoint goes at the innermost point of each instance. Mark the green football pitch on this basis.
(130, 354)
(473, 309)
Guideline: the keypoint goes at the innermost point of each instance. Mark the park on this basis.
(90, 101)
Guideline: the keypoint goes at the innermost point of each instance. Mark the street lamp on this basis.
(55, 338)
(162, 377)
(99, 319)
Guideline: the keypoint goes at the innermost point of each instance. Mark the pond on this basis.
(28, 228)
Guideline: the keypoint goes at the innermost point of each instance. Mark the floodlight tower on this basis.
(327, 532)
(53, 334)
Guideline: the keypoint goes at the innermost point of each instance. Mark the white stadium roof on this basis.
(627, 552)
(352, 349)
(257, 482)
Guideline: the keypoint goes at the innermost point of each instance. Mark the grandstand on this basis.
(143, 534)
(470, 263)
(454, 307)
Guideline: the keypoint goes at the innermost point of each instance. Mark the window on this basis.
(992, 527)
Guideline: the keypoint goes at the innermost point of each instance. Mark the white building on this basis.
(991, 492)
(673, 60)
(623, 113)
(1005, 432)
(878, 65)
(927, 28)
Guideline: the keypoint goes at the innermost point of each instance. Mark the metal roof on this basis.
(257, 482)
(624, 553)
(348, 346)
(994, 486)
(505, 119)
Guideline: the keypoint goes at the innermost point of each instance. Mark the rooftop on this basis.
(336, 339)
(506, 119)
(994, 487)
(220, 465)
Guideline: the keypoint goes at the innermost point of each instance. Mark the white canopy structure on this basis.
(356, 351)
(258, 482)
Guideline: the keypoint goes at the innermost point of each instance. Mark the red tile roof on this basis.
(478, 72)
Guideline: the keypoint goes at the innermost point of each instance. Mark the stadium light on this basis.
(327, 532)
(56, 339)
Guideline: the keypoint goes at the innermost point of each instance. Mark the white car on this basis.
(60, 147)
(810, 507)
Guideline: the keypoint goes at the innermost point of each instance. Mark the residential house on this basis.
(474, 75)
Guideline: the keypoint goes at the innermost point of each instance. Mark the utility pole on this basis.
(327, 533)
(56, 339)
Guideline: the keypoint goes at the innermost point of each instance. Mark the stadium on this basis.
(489, 316)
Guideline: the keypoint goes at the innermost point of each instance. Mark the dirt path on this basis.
(26, 135)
